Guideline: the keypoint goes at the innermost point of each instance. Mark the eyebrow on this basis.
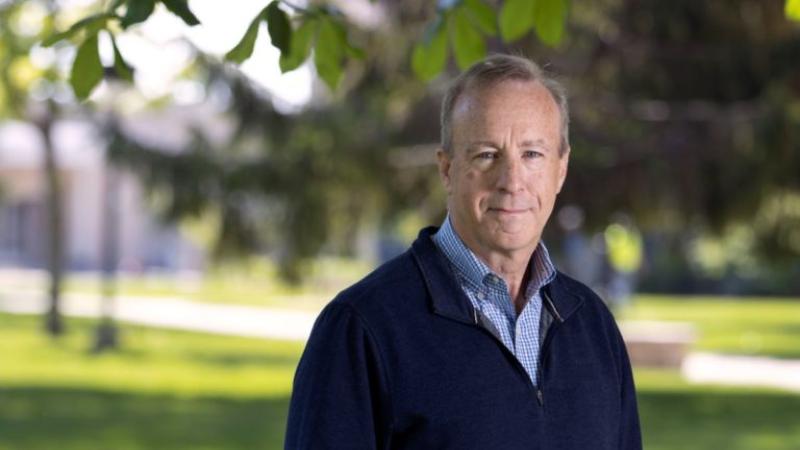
(533, 143)
(474, 145)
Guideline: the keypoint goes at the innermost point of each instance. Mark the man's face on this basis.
(505, 169)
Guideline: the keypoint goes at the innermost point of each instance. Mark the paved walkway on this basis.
(742, 370)
(260, 322)
(174, 313)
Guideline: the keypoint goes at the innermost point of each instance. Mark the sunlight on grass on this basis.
(180, 390)
(676, 415)
(753, 326)
(152, 361)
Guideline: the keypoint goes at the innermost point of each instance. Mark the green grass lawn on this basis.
(748, 325)
(164, 390)
(180, 390)
(754, 326)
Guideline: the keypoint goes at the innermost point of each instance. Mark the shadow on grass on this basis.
(717, 419)
(47, 418)
(67, 419)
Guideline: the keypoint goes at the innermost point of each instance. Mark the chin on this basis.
(513, 242)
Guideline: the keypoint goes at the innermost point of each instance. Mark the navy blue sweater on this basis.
(401, 361)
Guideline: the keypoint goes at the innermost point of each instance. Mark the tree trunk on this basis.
(54, 323)
(107, 333)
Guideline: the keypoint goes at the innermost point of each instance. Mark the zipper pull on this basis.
(540, 397)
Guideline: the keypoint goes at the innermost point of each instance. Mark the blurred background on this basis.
(184, 185)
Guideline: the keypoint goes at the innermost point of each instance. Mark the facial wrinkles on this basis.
(511, 177)
(508, 195)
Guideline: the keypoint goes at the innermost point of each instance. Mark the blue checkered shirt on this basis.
(490, 296)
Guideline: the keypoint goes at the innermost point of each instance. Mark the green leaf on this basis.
(138, 11)
(87, 71)
(120, 65)
(181, 9)
(329, 51)
(244, 48)
(299, 47)
(116, 4)
(354, 52)
(516, 18)
(792, 9)
(280, 30)
(549, 17)
(430, 54)
(468, 44)
(483, 16)
(92, 24)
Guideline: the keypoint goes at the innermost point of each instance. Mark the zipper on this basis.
(542, 353)
(545, 345)
(536, 389)
(539, 392)
(505, 349)
(552, 305)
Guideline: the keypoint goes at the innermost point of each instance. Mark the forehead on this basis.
(520, 107)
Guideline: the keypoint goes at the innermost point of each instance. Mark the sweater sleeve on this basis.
(630, 432)
(339, 398)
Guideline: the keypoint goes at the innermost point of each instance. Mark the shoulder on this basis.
(581, 291)
(592, 306)
(594, 314)
(391, 283)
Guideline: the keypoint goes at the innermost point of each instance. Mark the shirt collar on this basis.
(477, 273)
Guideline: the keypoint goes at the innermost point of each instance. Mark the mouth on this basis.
(509, 210)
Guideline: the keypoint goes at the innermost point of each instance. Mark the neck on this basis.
(510, 265)
(512, 268)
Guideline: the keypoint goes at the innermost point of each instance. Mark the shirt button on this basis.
(481, 296)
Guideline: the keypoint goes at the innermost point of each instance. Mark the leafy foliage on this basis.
(137, 12)
(245, 47)
(696, 103)
(516, 18)
(87, 71)
(468, 44)
(280, 30)
(468, 23)
(181, 9)
(300, 46)
(430, 55)
(792, 9)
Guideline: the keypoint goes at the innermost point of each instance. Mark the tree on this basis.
(17, 78)
(693, 103)
(323, 28)
(635, 113)
(241, 184)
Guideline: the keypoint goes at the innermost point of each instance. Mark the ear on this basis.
(445, 163)
(563, 163)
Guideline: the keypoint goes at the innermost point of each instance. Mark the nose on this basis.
(510, 176)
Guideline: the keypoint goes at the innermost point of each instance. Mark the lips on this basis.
(509, 210)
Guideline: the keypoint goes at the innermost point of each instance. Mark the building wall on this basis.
(143, 242)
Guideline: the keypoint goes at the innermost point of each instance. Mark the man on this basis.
(471, 339)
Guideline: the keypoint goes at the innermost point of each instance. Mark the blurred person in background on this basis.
(472, 339)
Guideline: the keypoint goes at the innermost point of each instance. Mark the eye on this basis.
(531, 154)
(486, 155)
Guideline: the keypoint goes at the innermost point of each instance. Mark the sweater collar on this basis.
(477, 273)
(449, 300)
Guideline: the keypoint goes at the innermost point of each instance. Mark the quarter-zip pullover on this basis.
(400, 361)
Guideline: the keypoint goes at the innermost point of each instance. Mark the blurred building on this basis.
(144, 242)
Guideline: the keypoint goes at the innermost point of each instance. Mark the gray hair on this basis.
(494, 70)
